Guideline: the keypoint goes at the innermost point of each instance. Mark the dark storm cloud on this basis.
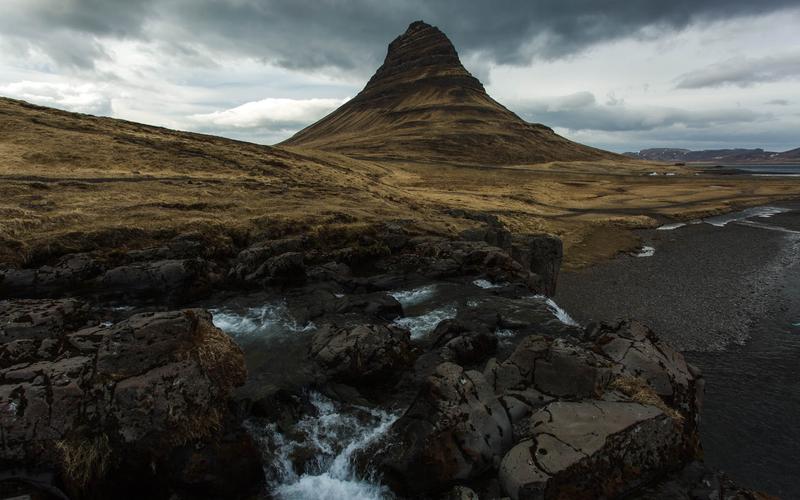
(307, 34)
(66, 30)
(743, 72)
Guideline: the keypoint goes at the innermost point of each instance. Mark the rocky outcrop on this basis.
(541, 254)
(270, 262)
(456, 429)
(590, 449)
(99, 403)
(363, 355)
(68, 275)
(173, 280)
(559, 416)
(448, 258)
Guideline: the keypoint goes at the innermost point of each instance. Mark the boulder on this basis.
(361, 355)
(379, 305)
(455, 430)
(640, 353)
(281, 269)
(464, 343)
(556, 368)
(252, 258)
(112, 399)
(590, 449)
(698, 481)
(461, 493)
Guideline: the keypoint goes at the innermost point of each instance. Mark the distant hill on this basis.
(727, 156)
(422, 105)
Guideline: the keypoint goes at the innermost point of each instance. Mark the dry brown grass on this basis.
(198, 426)
(638, 390)
(77, 183)
(219, 356)
(85, 459)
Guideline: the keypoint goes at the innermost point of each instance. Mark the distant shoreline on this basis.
(747, 168)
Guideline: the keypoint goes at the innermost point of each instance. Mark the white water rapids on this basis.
(331, 437)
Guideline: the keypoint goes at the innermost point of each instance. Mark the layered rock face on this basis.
(423, 105)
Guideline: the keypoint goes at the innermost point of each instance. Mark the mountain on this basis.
(791, 155)
(422, 105)
(728, 156)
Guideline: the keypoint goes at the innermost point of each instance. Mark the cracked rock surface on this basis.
(552, 419)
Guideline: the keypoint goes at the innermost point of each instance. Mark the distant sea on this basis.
(786, 169)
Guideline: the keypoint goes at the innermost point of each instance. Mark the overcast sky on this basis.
(617, 74)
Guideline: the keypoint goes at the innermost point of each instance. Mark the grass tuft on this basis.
(639, 391)
(86, 459)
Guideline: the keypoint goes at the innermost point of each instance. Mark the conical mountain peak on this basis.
(423, 51)
(422, 105)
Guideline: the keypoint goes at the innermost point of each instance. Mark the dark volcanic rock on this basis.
(450, 258)
(39, 319)
(105, 401)
(456, 429)
(377, 305)
(32, 330)
(590, 449)
(364, 355)
(69, 275)
(542, 255)
(274, 261)
(464, 344)
(559, 415)
(640, 353)
(542, 364)
(174, 280)
(696, 481)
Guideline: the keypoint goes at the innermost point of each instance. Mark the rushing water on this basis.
(557, 311)
(332, 436)
(421, 325)
(260, 322)
(416, 296)
(325, 441)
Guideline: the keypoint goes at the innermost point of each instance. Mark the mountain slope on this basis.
(422, 105)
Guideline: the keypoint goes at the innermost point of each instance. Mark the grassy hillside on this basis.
(71, 182)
